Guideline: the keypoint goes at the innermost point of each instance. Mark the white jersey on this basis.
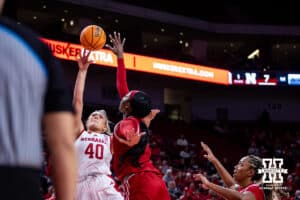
(93, 154)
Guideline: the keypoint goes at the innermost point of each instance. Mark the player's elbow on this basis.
(77, 102)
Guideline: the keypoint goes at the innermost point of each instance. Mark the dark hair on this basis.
(136, 103)
(140, 104)
(256, 163)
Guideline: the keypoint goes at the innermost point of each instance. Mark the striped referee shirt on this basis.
(31, 84)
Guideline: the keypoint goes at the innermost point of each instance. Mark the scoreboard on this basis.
(293, 79)
(264, 78)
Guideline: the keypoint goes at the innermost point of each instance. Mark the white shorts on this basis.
(97, 187)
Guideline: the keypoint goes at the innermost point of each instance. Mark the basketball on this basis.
(93, 37)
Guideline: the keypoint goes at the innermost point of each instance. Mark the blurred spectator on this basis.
(194, 164)
(155, 151)
(290, 183)
(297, 169)
(164, 167)
(253, 149)
(168, 176)
(184, 195)
(182, 141)
(50, 194)
(174, 191)
(184, 154)
(297, 195)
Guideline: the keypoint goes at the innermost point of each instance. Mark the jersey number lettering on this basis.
(94, 151)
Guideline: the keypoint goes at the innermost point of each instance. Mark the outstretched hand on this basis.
(203, 179)
(132, 139)
(118, 44)
(209, 154)
(83, 61)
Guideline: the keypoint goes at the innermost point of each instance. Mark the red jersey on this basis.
(126, 167)
(145, 181)
(255, 190)
(122, 86)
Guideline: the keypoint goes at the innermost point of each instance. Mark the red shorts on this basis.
(146, 186)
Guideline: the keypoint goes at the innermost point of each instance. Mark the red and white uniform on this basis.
(120, 149)
(94, 157)
(143, 182)
(255, 190)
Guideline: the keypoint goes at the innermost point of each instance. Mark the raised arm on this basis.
(223, 173)
(83, 65)
(118, 50)
(226, 193)
(122, 86)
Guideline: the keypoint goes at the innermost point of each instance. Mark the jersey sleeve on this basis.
(126, 127)
(122, 86)
(57, 98)
(257, 192)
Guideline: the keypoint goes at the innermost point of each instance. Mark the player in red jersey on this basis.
(245, 181)
(93, 146)
(131, 161)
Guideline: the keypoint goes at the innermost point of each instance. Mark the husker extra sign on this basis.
(104, 57)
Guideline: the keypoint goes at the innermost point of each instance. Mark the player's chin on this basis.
(94, 126)
(234, 175)
(237, 178)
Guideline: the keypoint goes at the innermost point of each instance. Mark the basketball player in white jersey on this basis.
(93, 146)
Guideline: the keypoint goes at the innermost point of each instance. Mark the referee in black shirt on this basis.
(32, 91)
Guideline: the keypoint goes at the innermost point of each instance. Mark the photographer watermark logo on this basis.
(272, 170)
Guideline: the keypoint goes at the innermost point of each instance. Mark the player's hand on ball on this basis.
(83, 61)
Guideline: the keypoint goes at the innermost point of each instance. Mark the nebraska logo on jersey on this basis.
(98, 140)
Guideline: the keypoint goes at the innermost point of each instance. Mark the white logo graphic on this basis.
(272, 171)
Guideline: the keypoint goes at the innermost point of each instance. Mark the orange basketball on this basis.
(93, 37)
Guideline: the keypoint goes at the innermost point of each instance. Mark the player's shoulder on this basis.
(105, 136)
(254, 186)
(82, 133)
(127, 125)
(256, 190)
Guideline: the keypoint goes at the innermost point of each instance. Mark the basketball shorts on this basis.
(97, 187)
(144, 186)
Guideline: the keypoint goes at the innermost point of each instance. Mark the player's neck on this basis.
(146, 121)
(245, 183)
(95, 130)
